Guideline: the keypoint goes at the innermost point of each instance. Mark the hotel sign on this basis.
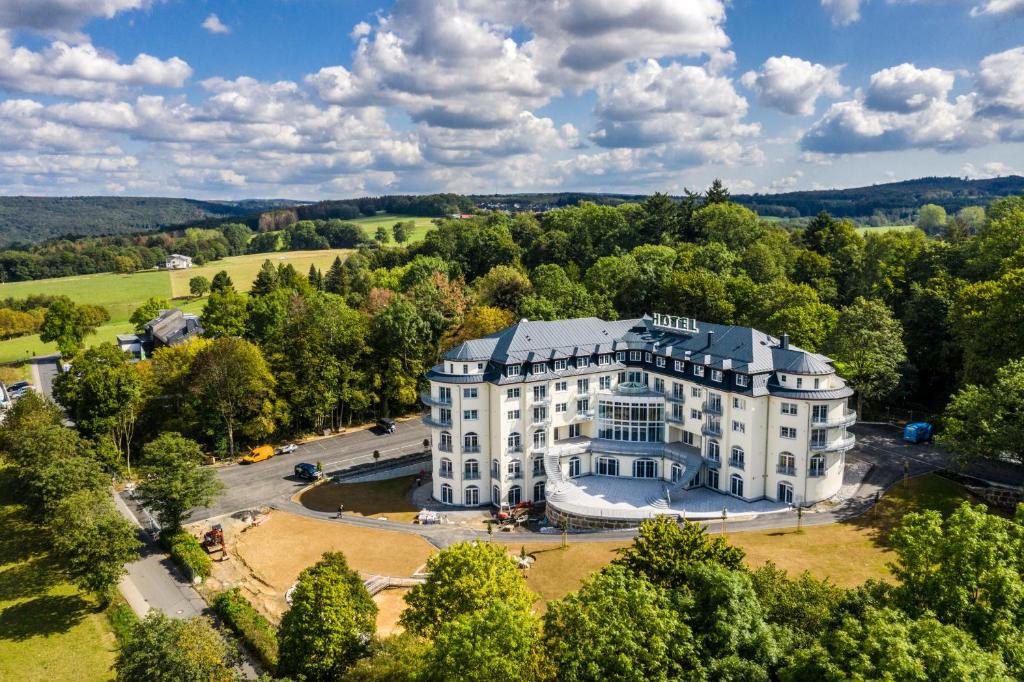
(683, 324)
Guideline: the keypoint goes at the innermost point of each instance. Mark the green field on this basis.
(370, 225)
(122, 294)
(49, 630)
(885, 228)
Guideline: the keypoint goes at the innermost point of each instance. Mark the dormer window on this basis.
(635, 355)
(742, 380)
(620, 356)
(647, 357)
(660, 362)
(678, 365)
(512, 371)
(716, 375)
(604, 359)
(539, 367)
(698, 371)
(582, 362)
(560, 365)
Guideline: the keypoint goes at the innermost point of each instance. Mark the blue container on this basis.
(917, 432)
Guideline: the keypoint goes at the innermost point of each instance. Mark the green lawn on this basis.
(243, 269)
(49, 630)
(885, 228)
(370, 225)
(119, 294)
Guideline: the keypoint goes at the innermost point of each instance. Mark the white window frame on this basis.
(539, 367)
(739, 427)
(742, 380)
(739, 403)
(470, 415)
(470, 393)
(561, 408)
(698, 370)
(660, 362)
(790, 409)
(717, 375)
(678, 366)
(604, 360)
(787, 432)
(514, 415)
(560, 365)
(582, 362)
(512, 370)
(635, 355)
(512, 394)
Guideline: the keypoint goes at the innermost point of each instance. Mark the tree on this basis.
(225, 314)
(971, 218)
(735, 226)
(498, 642)
(401, 231)
(663, 549)
(382, 235)
(222, 282)
(174, 480)
(503, 287)
(198, 286)
(92, 540)
(618, 626)
(315, 277)
(163, 649)
(148, 310)
(464, 578)
(231, 379)
(886, 645)
(717, 193)
(987, 321)
(330, 622)
(266, 280)
(103, 393)
(868, 348)
(478, 323)
(61, 478)
(987, 421)
(931, 218)
(65, 324)
(661, 219)
(698, 294)
(398, 658)
(237, 236)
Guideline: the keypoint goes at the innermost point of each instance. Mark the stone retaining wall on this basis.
(1004, 498)
(576, 522)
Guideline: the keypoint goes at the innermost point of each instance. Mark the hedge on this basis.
(188, 554)
(246, 622)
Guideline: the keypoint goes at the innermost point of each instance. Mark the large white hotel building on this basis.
(615, 421)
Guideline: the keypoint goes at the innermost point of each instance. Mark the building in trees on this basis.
(169, 328)
(624, 420)
(177, 261)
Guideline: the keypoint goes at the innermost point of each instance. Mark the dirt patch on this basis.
(390, 499)
(391, 603)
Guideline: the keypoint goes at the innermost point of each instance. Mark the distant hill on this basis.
(36, 219)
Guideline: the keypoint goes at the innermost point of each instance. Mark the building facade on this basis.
(526, 413)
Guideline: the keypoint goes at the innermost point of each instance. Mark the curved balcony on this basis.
(849, 418)
(672, 397)
(434, 422)
(712, 407)
(681, 419)
(431, 401)
(713, 431)
(838, 445)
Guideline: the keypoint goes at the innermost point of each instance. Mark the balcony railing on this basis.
(849, 418)
(712, 407)
(736, 463)
(435, 401)
(470, 449)
(785, 470)
(471, 476)
(712, 463)
(542, 421)
(431, 420)
(444, 447)
(816, 472)
(515, 474)
(711, 430)
(836, 445)
(543, 400)
(676, 419)
(445, 473)
(513, 449)
(675, 397)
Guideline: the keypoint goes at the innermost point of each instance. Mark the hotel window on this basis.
(647, 357)
(713, 478)
(465, 369)
(739, 427)
(583, 405)
(561, 385)
(470, 415)
(513, 415)
(538, 491)
(582, 362)
(574, 430)
(714, 451)
(472, 496)
(469, 393)
(785, 492)
(739, 404)
(736, 485)
(515, 495)
(635, 355)
(583, 385)
(445, 444)
(574, 467)
(816, 466)
(445, 470)
(446, 494)
(604, 359)
(787, 432)
(789, 408)
(444, 394)
(660, 362)
(540, 393)
(678, 412)
(736, 459)
(817, 384)
(512, 371)
(698, 371)
(605, 383)
(687, 438)
(694, 414)
(539, 414)
(515, 469)
(479, 365)
(742, 380)
(512, 393)
(620, 420)
(818, 438)
(561, 407)
(716, 375)
(784, 378)
(538, 466)
(539, 368)
(645, 468)
(540, 439)
(787, 464)
(515, 443)
(620, 356)
(607, 466)
(659, 385)
(678, 365)
(695, 392)
(495, 493)
(560, 365)
(470, 443)
(799, 382)
(678, 392)
(471, 469)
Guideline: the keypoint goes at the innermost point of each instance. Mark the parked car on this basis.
(917, 432)
(258, 454)
(308, 471)
(386, 425)
(286, 449)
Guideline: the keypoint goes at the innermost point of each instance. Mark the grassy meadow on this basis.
(370, 225)
(865, 231)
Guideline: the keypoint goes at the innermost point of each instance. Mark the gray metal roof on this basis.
(537, 341)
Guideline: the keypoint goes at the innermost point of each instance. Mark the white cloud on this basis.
(991, 169)
(843, 12)
(213, 24)
(60, 17)
(82, 70)
(999, 7)
(793, 85)
(906, 88)
(1000, 83)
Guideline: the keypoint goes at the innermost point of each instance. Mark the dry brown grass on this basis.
(390, 604)
(388, 499)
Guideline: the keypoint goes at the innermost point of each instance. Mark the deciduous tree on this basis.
(198, 286)
(663, 549)
(163, 649)
(148, 310)
(868, 348)
(66, 325)
(987, 421)
(174, 480)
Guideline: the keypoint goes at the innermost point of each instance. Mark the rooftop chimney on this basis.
(784, 342)
(711, 337)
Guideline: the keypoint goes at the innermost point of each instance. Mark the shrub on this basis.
(122, 619)
(246, 622)
(188, 554)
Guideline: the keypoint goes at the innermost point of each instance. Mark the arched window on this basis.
(445, 444)
(495, 471)
(445, 468)
(787, 464)
(677, 472)
(515, 442)
(540, 439)
(607, 466)
(471, 469)
(446, 494)
(515, 495)
(785, 492)
(574, 467)
(470, 442)
(736, 458)
(816, 465)
(538, 491)
(645, 468)
(714, 451)
(736, 485)
(472, 496)
(495, 495)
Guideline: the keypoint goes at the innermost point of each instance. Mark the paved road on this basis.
(44, 371)
(272, 482)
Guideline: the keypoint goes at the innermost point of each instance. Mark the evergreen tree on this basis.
(266, 280)
(222, 282)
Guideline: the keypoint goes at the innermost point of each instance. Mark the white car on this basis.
(285, 449)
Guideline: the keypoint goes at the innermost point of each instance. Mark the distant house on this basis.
(176, 261)
(169, 328)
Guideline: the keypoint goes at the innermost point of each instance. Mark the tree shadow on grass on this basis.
(42, 616)
(26, 579)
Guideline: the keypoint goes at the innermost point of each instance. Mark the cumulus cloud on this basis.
(82, 70)
(906, 88)
(991, 169)
(60, 17)
(793, 85)
(1000, 83)
(999, 7)
(843, 12)
(213, 24)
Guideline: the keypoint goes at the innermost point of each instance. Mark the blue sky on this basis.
(314, 99)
